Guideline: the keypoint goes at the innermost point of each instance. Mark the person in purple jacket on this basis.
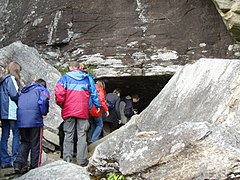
(33, 106)
(75, 92)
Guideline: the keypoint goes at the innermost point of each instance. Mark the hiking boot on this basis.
(84, 164)
(67, 159)
(17, 168)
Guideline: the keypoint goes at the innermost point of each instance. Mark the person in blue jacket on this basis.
(75, 92)
(33, 106)
(9, 93)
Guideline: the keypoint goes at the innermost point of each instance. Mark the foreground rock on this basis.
(57, 170)
(189, 131)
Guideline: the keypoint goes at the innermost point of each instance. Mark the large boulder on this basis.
(189, 131)
(34, 67)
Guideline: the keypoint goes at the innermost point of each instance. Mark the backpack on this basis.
(128, 110)
(124, 119)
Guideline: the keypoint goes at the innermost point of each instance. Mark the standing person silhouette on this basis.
(111, 123)
(9, 93)
(33, 106)
(72, 94)
(96, 117)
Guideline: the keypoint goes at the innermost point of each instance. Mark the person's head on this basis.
(117, 91)
(135, 98)
(83, 67)
(42, 82)
(73, 65)
(101, 84)
(14, 69)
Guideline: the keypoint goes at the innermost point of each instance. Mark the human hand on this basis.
(135, 111)
(98, 110)
(107, 113)
(44, 117)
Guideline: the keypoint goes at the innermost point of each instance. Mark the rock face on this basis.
(189, 131)
(118, 38)
(230, 12)
(57, 170)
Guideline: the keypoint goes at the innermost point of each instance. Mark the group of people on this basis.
(85, 104)
(81, 99)
(22, 110)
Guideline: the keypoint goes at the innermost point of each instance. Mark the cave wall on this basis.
(118, 38)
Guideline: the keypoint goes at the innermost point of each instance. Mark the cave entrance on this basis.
(147, 87)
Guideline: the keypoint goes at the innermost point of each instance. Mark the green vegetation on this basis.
(90, 69)
(114, 176)
(62, 70)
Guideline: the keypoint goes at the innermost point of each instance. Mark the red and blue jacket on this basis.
(72, 94)
(33, 103)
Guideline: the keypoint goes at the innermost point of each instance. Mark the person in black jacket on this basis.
(33, 106)
(111, 122)
(129, 111)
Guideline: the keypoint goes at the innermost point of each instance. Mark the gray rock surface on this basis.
(57, 170)
(189, 131)
(230, 12)
(34, 67)
(118, 38)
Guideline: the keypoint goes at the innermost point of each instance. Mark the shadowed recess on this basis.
(147, 87)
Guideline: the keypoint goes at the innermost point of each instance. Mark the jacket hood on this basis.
(4, 77)
(32, 86)
(76, 74)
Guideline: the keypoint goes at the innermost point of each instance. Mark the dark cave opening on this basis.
(147, 87)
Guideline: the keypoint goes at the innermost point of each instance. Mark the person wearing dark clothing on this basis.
(129, 111)
(9, 93)
(33, 106)
(111, 123)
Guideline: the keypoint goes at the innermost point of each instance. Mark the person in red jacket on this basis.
(96, 117)
(72, 93)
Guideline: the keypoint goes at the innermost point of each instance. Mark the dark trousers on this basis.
(31, 141)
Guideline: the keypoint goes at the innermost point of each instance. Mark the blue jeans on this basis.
(6, 159)
(96, 128)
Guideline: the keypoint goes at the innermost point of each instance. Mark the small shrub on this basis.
(90, 69)
(114, 176)
(62, 70)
